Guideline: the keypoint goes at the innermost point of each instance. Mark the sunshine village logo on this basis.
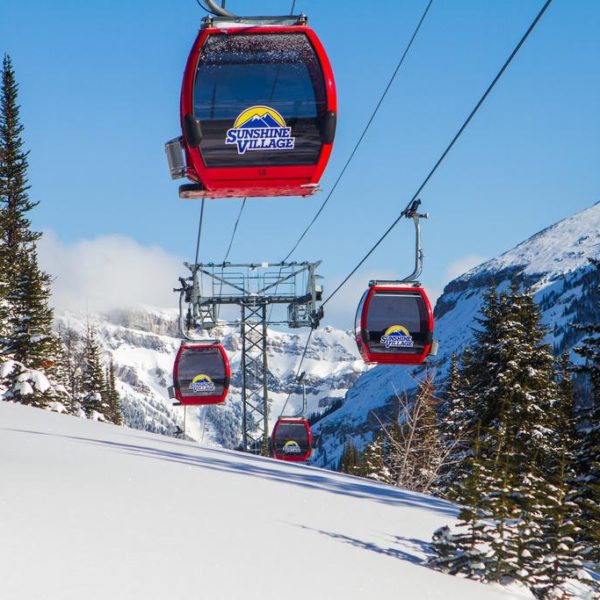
(397, 336)
(260, 128)
(202, 383)
(291, 447)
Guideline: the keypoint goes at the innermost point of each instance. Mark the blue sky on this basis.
(99, 89)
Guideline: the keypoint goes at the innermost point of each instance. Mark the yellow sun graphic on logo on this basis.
(396, 329)
(291, 446)
(260, 112)
(202, 378)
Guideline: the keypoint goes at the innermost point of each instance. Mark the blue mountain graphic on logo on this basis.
(265, 121)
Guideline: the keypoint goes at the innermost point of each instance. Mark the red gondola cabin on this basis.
(394, 325)
(258, 110)
(201, 374)
(292, 439)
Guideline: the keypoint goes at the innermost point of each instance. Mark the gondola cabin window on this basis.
(397, 323)
(259, 99)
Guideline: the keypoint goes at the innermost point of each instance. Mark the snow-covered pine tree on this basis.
(32, 340)
(93, 382)
(466, 550)
(456, 428)
(375, 459)
(527, 396)
(16, 237)
(588, 455)
(565, 415)
(515, 399)
(112, 396)
(14, 202)
(351, 461)
(559, 540)
(473, 410)
(69, 367)
(25, 317)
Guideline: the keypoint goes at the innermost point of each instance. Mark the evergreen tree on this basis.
(565, 423)
(588, 455)
(69, 366)
(466, 551)
(25, 317)
(351, 461)
(16, 234)
(521, 464)
(93, 382)
(112, 396)
(560, 548)
(376, 465)
(456, 428)
(33, 342)
(16, 237)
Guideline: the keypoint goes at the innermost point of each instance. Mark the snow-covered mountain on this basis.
(143, 344)
(553, 265)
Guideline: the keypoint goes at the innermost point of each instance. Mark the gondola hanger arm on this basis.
(219, 11)
(212, 7)
(412, 212)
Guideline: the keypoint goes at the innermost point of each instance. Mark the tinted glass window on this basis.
(291, 438)
(278, 71)
(201, 372)
(358, 316)
(397, 323)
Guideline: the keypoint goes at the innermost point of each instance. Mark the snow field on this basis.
(90, 510)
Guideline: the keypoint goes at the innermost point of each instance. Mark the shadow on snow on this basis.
(411, 549)
(257, 466)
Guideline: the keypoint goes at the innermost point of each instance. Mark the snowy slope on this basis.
(94, 511)
(552, 264)
(143, 344)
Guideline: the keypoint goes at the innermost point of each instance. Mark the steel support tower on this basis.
(255, 288)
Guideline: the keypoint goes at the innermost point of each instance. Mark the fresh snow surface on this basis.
(90, 510)
(556, 250)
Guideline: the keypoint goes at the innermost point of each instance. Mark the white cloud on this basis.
(462, 265)
(108, 272)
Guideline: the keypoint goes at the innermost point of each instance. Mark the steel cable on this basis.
(448, 148)
(298, 370)
(366, 128)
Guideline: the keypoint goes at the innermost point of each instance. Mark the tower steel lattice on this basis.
(254, 288)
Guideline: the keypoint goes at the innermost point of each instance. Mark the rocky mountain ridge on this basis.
(143, 343)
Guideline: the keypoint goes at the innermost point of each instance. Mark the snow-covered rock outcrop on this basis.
(143, 344)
